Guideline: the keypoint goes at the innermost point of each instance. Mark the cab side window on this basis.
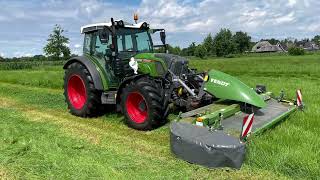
(128, 43)
(87, 44)
(101, 48)
(119, 43)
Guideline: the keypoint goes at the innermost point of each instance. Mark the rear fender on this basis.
(91, 68)
(224, 86)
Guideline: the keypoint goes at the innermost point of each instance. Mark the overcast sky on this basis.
(25, 25)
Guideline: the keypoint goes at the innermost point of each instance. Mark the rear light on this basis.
(206, 77)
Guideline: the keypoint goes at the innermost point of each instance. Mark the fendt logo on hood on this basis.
(222, 83)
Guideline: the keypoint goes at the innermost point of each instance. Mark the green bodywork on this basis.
(145, 67)
(213, 119)
(150, 67)
(224, 86)
(219, 84)
(105, 77)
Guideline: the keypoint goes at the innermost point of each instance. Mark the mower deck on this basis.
(199, 144)
(263, 118)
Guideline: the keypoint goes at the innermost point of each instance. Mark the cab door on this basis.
(101, 53)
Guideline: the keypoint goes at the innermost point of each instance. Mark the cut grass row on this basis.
(276, 151)
(41, 140)
(290, 150)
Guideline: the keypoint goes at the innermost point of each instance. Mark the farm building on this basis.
(265, 46)
(310, 46)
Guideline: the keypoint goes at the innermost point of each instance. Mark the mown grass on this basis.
(40, 139)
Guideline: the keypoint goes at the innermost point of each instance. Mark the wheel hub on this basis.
(77, 91)
(142, 106)
(136, 107)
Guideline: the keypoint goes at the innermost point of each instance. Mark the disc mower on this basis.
(119, 68)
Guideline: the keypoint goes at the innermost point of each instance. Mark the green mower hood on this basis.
(224, 86)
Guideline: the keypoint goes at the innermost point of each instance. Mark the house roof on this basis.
(265, 46)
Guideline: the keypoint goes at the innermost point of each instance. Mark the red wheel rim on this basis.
(77, 91)
(136, 107)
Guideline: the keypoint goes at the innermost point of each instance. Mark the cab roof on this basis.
(96, 26)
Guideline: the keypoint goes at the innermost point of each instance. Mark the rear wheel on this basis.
(81, 96)
(142, 104)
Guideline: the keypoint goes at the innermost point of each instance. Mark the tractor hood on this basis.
(224, 86)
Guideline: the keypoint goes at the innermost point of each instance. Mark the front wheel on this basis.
(142, 104)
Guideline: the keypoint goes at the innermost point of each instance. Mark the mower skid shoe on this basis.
(199, 145)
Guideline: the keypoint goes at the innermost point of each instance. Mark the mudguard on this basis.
(224, 86)
(91, 68)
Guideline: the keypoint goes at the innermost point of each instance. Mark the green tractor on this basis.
(119, 67)
(119, 70)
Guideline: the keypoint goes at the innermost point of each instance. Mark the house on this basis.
(310, 46)
(265, 46)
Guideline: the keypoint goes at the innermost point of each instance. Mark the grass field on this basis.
(40, 139)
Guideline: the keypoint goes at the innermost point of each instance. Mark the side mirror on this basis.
(163, 37)
(104, 37)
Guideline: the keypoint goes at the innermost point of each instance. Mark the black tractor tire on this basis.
(80, 94)
(142, 103)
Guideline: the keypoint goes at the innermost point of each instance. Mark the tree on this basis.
(272, 41)
(189, 51)
(242, 41)
(208, 44)
(223, 43)
(2, 59)
(316, 40)
(200, 51)
(57, 44)
(39, 58)
(174, 50)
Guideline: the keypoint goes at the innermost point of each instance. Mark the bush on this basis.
(200, 51)
(296, 51)
(232, 56)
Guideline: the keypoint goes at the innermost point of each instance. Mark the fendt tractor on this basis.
(119, 68)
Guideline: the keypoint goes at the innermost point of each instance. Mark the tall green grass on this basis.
(38, 78)
(15, 65)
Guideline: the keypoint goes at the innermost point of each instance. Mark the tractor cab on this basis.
(113, 44)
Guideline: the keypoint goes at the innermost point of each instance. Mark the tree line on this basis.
(226, 43)
(222, 44)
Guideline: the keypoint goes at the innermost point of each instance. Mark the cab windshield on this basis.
(134, 40)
